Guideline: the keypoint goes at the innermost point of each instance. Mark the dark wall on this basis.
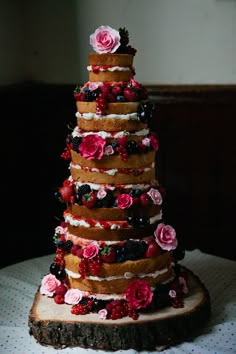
(195, 164)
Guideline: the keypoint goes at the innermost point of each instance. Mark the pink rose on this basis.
(124, 201)
(92, 147)
(91, 251)
(134, 83)
(102, 314)
(49, 284)
(60, 230)
(101, 193)
(172, 293)
(108, 150)
(155, 196)
(105, 40)
(139, 294)
(146, 141)
(166, 237)
(73, 296)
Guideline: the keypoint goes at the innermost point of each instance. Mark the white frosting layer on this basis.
(110, 68)
(89, 116)
(79, 221)
(126, 275)
(105, 135)
(111, 171)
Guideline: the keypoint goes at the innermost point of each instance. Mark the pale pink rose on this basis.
(60, 230)
(102, 314)
(124, 201)
(73, 296)
(49, 284)
(101, 193)
(146, 141)
(166, 237)
(154, 142)
(182, 281)
(172, 293)
(155, 196)
(90, 251)
(105, 40)
(93, 86)
(108, 150)
(92, 147)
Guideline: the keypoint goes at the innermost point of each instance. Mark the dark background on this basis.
(195, 164)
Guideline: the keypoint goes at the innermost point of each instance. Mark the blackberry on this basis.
(60, 244)
(143, 221)
(84, 189)
(161, 296)
(135, 192)
(132, 147)
(135, 249)
(61, 274)
(121, 253)
(178, 253)
(98, 305)
(91, 95)
(114, 144)
(76, 141)
(108, 200)
(78, 198)
(67, 246)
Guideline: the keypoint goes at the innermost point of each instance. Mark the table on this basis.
(19, 282)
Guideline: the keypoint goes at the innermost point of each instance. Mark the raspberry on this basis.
(61, 290)
(59, 299)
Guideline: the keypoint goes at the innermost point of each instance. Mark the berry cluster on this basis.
(124, 47)
(91, 199)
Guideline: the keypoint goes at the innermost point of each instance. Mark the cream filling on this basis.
(126, 275)
(110, 172)
(89, 116)
(114, 225)
(106, 135)
(112, 68)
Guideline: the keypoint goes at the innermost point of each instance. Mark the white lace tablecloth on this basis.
(19, 282)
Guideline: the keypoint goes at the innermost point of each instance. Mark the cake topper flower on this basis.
(139, 294)
(105, 40)
(92, 147)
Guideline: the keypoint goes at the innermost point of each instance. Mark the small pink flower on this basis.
(146, 141)
(124, 201)
(105, 40)
(91, 251)
(49, 284)
(73, 296)
(92, 147)
(172, 293)
(139, 294)
(60, 230)
(108, 150)
(93, 86)
(155, 196)
(154, 142)
(101, 193)
(166, 237)
(102, 314)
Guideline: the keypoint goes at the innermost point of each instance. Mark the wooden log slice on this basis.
(54, 325)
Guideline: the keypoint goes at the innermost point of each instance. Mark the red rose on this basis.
(92, 147)
(91, 251)
(139, 294)
(124, 201)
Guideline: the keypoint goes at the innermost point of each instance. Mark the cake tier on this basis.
(116, 176)
(119, 116)
(134, 161)
(94, 233)
(108, 75)
(113, 213)
(115, 277)
(110, 59)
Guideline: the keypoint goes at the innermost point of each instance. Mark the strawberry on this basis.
(153, 250)
(116, 90)
(66, 192)
(89, 199)
(144, 199)
(130, 94)
(108, 254)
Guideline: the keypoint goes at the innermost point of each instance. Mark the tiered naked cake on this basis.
(115, 282)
